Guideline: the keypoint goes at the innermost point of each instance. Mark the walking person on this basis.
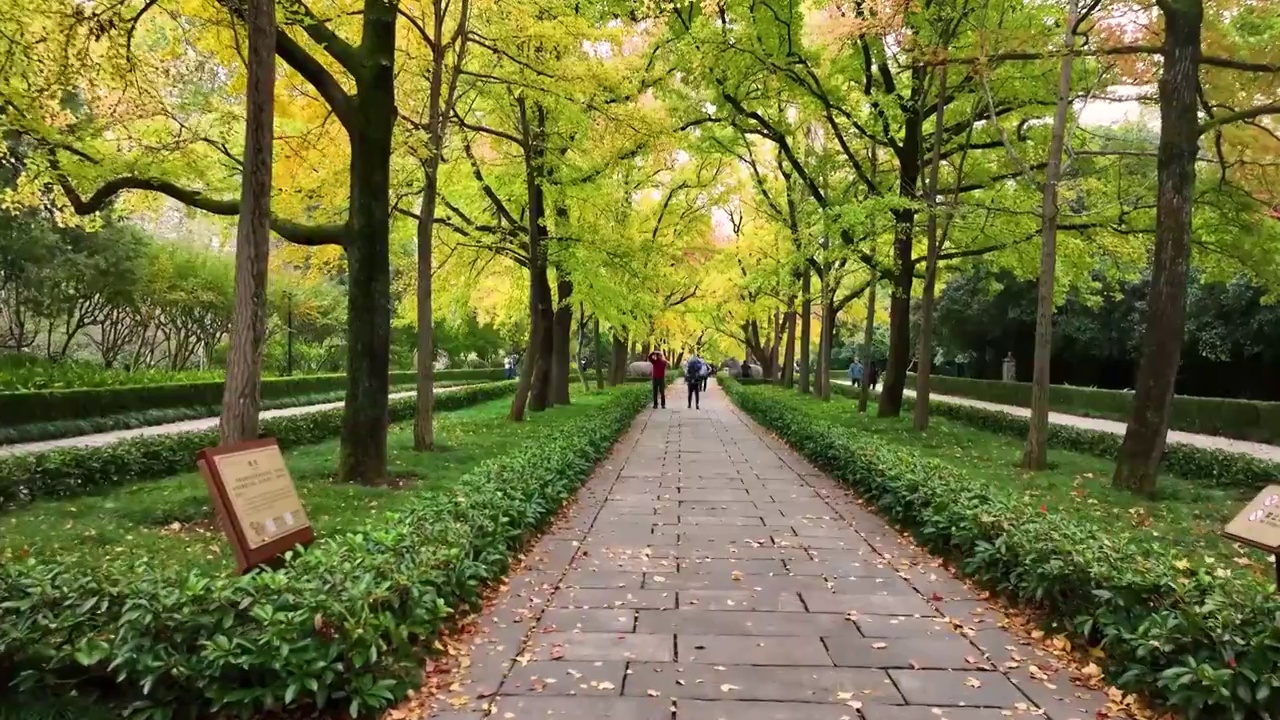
(855, 373)
(659, 376)
(695, 374)
(706, 374)
(873, 376)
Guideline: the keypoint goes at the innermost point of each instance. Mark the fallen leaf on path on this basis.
(729, 688)
(973, 683)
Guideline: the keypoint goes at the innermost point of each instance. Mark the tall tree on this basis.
(442, 93)
(924, 363)
(242, 392)
(1036, 454)
(1140, 453)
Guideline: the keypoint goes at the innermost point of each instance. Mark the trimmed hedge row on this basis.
(1202, 642)
(37, 406)
(1242, 419)
(69, 472)
(342, 626)
(161, 416)
(1215, 467)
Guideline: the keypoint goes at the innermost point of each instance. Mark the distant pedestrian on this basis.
(873, 376)
(659, 375)
(855, 373)
(509, 364)
(746, 369)
(706, 374)
(694, 376)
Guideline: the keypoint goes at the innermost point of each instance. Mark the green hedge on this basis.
(39, 406)
(1216, 467)
(1241, 419)
(341, 627)
(1205, 643)
(69, 472)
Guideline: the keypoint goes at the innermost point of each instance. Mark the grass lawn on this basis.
(170, 520)
(1184, 514)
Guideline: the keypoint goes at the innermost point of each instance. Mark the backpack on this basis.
(695, 368)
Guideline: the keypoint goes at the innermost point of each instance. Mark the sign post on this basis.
(1258, 525)
(256, 501)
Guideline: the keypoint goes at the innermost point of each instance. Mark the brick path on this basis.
(106, 438)
(1243, 447)
(708, 573)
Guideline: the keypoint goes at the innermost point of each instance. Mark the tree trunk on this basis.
(868, 333)
(895, 376)
(920, 416)
(1144, 440)
(618, 360)
(534, 388)
(242, 393)
(424, 422)
(562, 342)
(789, 353)
(438, 108)
(1036, 454)
(363, 457)
(828, 338)
(597, 354)
(806, 318)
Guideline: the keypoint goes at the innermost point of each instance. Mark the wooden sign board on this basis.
(256, 500)
(1258, 524)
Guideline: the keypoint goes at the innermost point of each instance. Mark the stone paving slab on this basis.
(707, 572)
(747, 650)
(730, 710)
(767, 683)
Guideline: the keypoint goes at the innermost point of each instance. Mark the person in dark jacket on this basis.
(659, 364)
(695, 374)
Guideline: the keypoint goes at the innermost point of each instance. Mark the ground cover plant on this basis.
(1175, 612)
(157, 621)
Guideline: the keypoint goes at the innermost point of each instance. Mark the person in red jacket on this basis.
(659, 364)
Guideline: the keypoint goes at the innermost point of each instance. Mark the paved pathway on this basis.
(107, 438)
(709, 573)
(1243, 447)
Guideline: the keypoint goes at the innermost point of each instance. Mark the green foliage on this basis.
(1232, 336)
(79, 470)
(53, 405)
(1203, 641)
(340, 627)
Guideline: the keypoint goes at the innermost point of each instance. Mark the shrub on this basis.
(341, 625)
(1242, 419)
(39, 406)
(69, 472)
(1203, 641)
(1217, 467)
